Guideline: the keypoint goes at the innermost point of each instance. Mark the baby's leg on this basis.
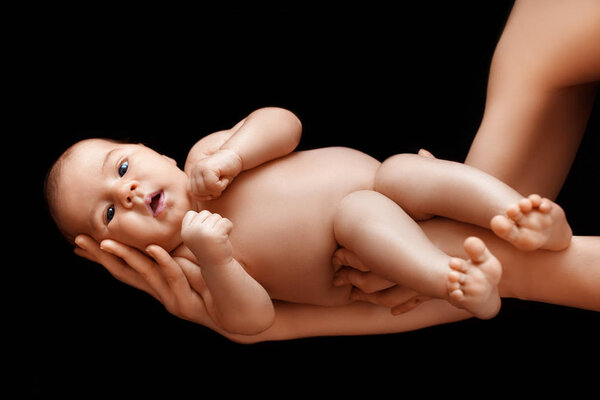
(473, 283)
(394, 247)
(425, 186)
(570, 277)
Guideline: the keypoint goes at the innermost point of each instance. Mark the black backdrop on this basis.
(381, 81)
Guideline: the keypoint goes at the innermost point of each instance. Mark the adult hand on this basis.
(370, 287)
(176, 283)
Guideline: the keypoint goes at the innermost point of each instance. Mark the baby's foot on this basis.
(473, 283)
(534, 223)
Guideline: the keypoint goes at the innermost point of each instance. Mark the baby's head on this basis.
(112, 190)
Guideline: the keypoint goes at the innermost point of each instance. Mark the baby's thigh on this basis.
(368, 222)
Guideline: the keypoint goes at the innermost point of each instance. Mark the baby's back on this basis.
(283, 214)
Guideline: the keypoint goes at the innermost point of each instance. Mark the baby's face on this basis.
(125, 192)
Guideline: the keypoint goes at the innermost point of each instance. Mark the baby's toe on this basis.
(525, 205)
(475, 248)
(457, 295)
(452, 286)
(545, 206)
(504, 228)
(535, 199)
(514, 212)
(457, 264)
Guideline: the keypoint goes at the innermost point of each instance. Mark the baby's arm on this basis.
(264, 135)
(426, 186)
(239, 304)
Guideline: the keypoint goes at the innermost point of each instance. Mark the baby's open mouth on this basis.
(156, 202)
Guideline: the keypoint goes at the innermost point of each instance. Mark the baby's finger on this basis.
(225, 226)
(211, 180)
(212, 220)
(188, 218)
(196, 185)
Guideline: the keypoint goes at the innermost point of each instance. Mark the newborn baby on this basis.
(273, 232)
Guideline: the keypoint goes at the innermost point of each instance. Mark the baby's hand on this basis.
(211, 175)
(207, 236)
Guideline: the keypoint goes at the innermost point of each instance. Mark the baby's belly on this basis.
(301, 274)
(283, 221)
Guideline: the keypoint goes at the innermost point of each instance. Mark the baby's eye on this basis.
(123, 168)
(110, 213)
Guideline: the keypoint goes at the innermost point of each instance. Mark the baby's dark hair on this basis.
(52, 189)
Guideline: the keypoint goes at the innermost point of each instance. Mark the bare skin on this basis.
(473, 283)
(542, 84)
(178, 285)
(561, 262)
(533, 223)
(332, 197)
(541, 88)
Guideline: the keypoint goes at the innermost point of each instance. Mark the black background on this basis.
(382, 81)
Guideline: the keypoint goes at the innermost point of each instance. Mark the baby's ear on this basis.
(171, 160)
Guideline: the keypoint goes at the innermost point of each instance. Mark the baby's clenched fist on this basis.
(207, 236)
(211, 175)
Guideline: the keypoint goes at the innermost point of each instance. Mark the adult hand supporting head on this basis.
(176, 283)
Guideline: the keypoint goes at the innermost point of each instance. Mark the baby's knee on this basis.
(396, 170)
(357, 212)
(351, 208)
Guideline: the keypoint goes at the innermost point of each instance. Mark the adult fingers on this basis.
(409, 304)
(392, 297)
(344, 257)
(173, 274)
(90, 249)
(367, 282)
(146, 272)
(187, 298)
(85, 254)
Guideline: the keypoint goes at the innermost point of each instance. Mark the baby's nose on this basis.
(128, 192)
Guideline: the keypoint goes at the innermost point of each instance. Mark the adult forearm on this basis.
(294, 321)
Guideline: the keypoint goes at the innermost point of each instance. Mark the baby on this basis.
(274, 232)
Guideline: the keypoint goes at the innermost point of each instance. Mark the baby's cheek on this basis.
(132, 232)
